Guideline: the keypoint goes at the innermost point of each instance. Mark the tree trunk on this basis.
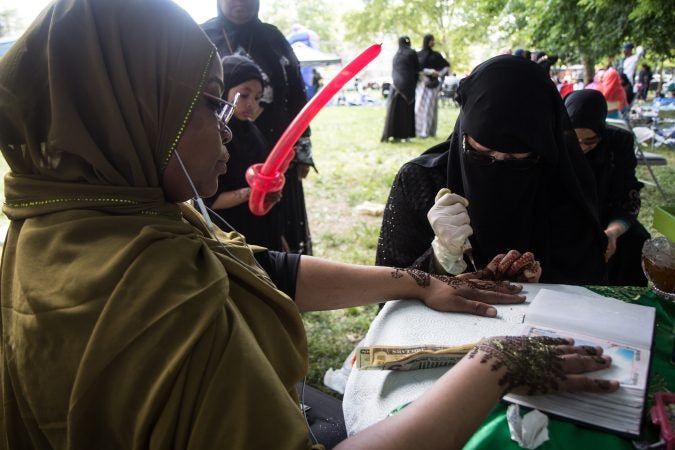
(589, 68)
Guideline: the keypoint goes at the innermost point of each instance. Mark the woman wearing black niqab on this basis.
(400, 120)
(611, 155)
(545, 203)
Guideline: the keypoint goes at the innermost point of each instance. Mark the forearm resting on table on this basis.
(324, 285)
(445, 417)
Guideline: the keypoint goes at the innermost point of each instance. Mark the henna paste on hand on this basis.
(589, 350)
(522, 263)
(605, 385)
(423, 279)
(505, 264)
(531, 362)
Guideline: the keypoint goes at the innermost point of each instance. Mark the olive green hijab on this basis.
(124, 324)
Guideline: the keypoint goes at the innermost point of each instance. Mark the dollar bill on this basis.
(384, 357)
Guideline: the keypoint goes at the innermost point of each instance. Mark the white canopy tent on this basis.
(312, 57)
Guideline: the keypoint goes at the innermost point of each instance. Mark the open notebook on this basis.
(625, 333)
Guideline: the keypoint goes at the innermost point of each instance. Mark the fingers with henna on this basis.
(497, 286)
(477, 308)
(519, 264)
(491, 297)
(506, 262)
(587, 350)
(493, 266)
(532, 271)
(577, 363)
(587, 384)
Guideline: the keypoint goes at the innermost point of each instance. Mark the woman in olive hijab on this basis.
(126, 322)
(119, 311)
(610, 151)
(517, 162)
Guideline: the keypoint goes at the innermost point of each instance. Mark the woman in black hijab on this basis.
(238, 31)
(400, 121)
(516, 160)
(610, 151)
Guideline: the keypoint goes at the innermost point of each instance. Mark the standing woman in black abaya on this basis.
(400, 121)
(237, 30)
(434, 68)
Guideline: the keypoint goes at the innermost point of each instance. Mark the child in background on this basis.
(248, 146)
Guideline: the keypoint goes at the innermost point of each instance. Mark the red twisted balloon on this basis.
(269, 177)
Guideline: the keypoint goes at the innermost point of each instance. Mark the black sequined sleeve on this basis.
(405, 236)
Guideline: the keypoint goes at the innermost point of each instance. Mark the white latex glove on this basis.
(450, 222)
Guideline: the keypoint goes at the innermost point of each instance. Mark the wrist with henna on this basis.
(423, 279)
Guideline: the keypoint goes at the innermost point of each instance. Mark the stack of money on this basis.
(385, 357)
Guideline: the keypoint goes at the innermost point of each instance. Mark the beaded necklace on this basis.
(229, 45)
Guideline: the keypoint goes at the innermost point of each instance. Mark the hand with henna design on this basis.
(541, 365)
(453, 294)
(512, 266)
(447, 414)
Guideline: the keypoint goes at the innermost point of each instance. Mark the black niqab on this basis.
(548, 208)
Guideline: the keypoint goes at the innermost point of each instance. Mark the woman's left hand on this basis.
(454, 294)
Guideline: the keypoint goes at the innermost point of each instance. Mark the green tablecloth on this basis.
(494, 433)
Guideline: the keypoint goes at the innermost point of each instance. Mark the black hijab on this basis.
(587, 109)
(239, 69)
(423, 55)
(430, 58)
(548, 208)
(405, 69)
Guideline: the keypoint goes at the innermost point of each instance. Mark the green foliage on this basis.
(456, 25)
(586, 30)
(317, 15)
(653, 22)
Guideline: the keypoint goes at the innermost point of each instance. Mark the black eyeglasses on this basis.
(223, 111)
(485, 159)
